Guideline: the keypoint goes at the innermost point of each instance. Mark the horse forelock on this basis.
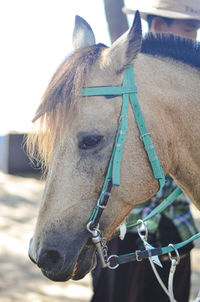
(60, 102)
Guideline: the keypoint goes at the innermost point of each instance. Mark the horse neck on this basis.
(169, 92)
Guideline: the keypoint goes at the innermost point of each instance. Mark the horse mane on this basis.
(60, 102)
(169, 46)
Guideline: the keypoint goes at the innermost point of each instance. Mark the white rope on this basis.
(174, 262)
(171, 279)
(158, 278)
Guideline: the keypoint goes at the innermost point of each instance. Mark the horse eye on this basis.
(89, 142)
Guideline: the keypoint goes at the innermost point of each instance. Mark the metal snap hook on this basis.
(142, 228)
(177, 258)
(94, 231)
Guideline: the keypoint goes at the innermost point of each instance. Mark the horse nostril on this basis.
(50, 260)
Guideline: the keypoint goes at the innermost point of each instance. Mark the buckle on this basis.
(137, 256)
(100, 205)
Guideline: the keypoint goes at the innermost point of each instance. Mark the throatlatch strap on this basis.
(145, 135)
(161, 207)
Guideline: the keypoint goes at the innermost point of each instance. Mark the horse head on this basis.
(75, 140)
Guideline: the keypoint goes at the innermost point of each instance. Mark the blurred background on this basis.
(35, 38)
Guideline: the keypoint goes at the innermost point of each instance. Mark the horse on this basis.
(74, 138)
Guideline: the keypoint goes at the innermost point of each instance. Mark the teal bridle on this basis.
(128, 90)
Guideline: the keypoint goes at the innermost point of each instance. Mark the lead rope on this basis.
(174, 262)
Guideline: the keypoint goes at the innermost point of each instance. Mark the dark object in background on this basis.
(117, 20)
(13, 157)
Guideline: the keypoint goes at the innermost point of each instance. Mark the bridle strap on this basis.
(160, 208)
(101, 203)
(109, 90)
(128, 90)
(145, 135)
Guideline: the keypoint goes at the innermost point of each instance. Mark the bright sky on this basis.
(35, 38)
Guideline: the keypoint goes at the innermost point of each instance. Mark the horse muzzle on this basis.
(61, 265)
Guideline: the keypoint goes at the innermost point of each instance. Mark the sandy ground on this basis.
(20, 280)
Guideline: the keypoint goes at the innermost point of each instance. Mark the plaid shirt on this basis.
(178, 212)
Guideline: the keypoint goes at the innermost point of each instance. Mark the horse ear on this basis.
(124, 50)
(83, 35)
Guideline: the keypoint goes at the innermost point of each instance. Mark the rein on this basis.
(128, 90)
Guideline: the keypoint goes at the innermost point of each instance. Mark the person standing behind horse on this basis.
(136, 282)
